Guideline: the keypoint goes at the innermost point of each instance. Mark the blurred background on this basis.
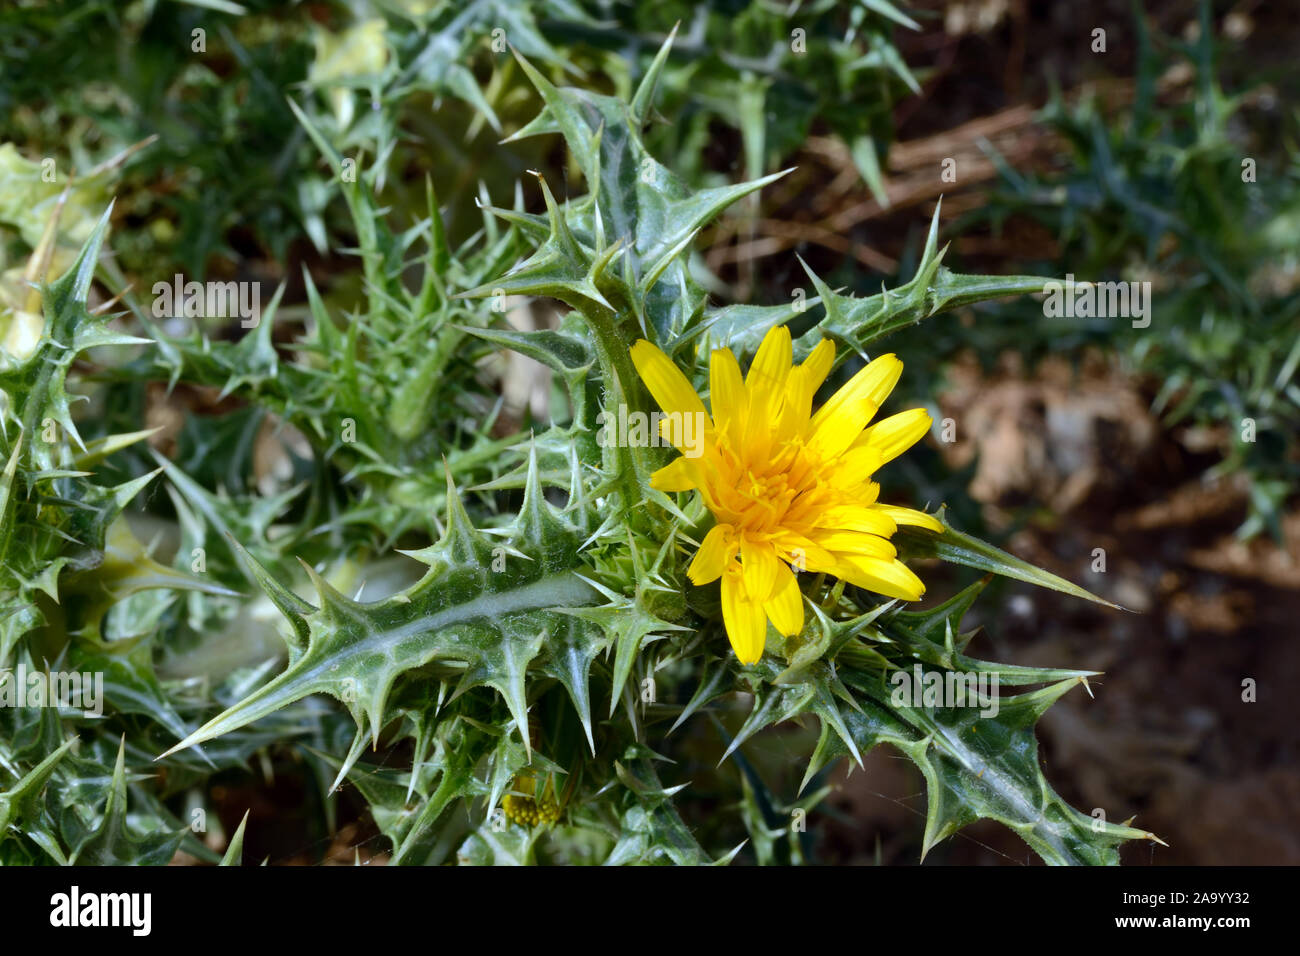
(1149, 142)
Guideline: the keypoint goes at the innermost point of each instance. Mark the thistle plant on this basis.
(573, 601)
(207, 81)
(1186, 188)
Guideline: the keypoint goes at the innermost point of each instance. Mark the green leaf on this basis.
(112, 843)
(959, 548)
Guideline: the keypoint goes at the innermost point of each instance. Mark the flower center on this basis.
(528, 812)
(758, 495)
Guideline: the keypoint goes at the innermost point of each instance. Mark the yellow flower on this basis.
(526, 808)
(787, 486)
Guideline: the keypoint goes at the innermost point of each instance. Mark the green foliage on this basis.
(1191, 193)
(211, 82)
(540, 631)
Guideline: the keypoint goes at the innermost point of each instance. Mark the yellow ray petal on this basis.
(760, 564)
(785, 607)
(771, 365)
(675, 476)
(909, 516)
(716, 551)
(801, 386)
(818, 363)
(795, 413)
(892, 436)
(727, 393)
(839, 422)
(744, 619)
(800, 552)
(890, 578)
(688, 432)
(855, 542)
(857, 464)
(666, 383)
(765, 387)
(870, 519)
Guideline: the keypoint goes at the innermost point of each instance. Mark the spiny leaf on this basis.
(234, 854)
(959, 548)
